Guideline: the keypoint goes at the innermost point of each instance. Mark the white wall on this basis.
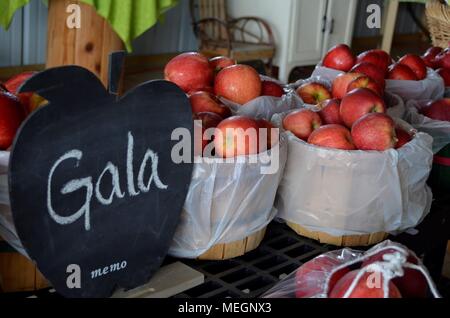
(26, 40)
(278, 9)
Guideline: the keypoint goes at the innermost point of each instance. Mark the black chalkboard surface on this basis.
(93, 188)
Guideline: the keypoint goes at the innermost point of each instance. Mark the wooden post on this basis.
(87, 46)
(390, 18)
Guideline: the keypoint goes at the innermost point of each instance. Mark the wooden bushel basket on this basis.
(345, 241)
(235, 249)
(438, 17)
(18, 273)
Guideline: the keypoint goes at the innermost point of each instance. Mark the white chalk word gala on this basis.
(92, 186)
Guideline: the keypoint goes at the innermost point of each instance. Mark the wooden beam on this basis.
(88, 46)
(9, 71)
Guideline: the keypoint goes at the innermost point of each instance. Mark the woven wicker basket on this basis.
(438, 16)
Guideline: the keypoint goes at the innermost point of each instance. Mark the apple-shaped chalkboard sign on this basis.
(93, 187)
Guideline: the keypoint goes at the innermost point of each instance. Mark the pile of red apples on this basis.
(380, 66)
(439, 60)
(205, 81)
(352, 113)
(15, 107)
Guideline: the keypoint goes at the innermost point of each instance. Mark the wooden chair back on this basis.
(244, 39)
(210, 9)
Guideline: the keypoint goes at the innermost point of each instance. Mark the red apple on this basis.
(190, 71)
(412, 284)
(270, 88)
(430, 55)
(401, 72)
(238, 83)
(302, 123)
(379, 58)
(359, 103)
(206, 102)
(416, 64)
(11, 116)
(30, 101)
(443, 59)
(236, 136)
(208, 120)
(329, 112)
(374, 132)
(332, 136)
(403, 137)
(341, 82)
(272, 134)
(14, 83)
(364, 287)
(317, 269)
(365, 82)
(438, 110)
(313, 93)
(218, 63)
(339, 58)
(445, 74)
(209, 90)
(371, 70)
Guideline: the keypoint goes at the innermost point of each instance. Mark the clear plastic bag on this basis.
(431, 87)
(395, 106)
(355, 192)
(439, 130)
(393, 262)
(7, 229)
(227, 202)
(264, 107)
(326, 73)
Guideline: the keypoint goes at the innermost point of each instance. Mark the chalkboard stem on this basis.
(115, 71)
